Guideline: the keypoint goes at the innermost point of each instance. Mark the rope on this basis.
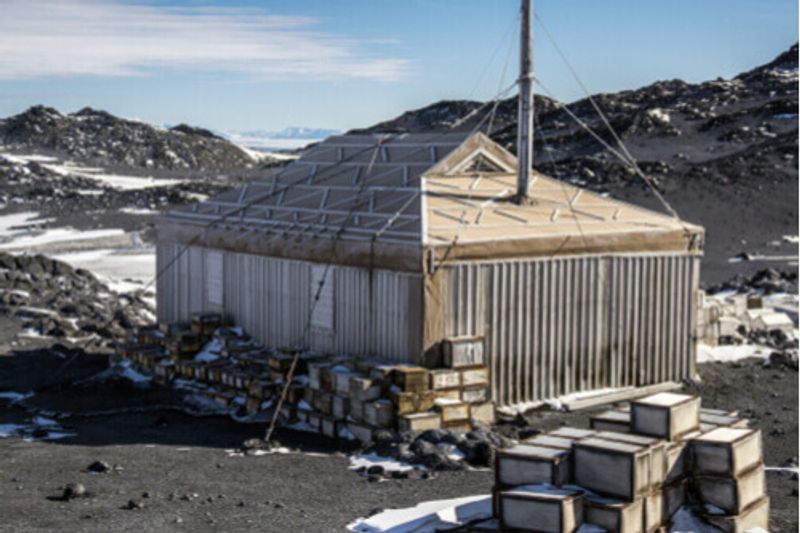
(627, 154)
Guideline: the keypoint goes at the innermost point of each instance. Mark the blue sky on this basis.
(268, 64)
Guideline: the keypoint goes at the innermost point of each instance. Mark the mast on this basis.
(525, 105)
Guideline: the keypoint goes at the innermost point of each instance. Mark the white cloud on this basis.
(122, 38)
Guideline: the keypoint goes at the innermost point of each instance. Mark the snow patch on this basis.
(426, 517)
(729, 353)
(389, 464)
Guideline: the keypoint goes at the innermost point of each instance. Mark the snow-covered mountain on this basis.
(291, 138)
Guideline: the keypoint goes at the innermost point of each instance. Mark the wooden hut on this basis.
(408, 240)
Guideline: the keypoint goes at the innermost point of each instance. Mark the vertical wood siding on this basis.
(558, 326)
(376, 313)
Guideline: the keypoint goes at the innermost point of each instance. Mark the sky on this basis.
(239, 65)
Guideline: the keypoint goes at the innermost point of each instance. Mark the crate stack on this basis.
(333, 394)
(633, 470)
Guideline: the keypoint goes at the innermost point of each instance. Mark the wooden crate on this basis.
(460, 352)
(732, 494)
(572, 433)
(483, 413)
(653, 515)
(444, 378)
(549, 441)
(419, 421)
(341, 407)
(722, 420)
(323, 402)
(611, 468)
(363, 432)
(381, 372)
(612, 420)
(411, 378)
(448, 394)
(616, 516)
(364, 389)
(328, 427)
(658, 452)
(666, 415)
(458, 425)
(676, 461)
(452, 410)
(379, 414)
(673, 497)
(475, 394)
(754, 517)
(543, 510)
(315, 374)
(530, 465)
(413, 402)
(315, 420)
(727, 451)
(280, 362)
(478, 376)
(340, 382)
(357, 410)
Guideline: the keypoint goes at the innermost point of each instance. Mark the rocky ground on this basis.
(164, 470)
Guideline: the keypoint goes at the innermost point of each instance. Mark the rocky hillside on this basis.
(97, 137)
(721, 130)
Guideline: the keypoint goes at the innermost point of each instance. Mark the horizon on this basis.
(271, 65)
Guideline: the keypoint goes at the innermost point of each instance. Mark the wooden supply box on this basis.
(666, 415)
(419, 422)
(614, 515)
(540, 510)
(612, 420)
(727, 451)
(611, 468)
(444, 378)
(460, 352)
(754, 517)
(531, 465)
(732, 494)
(411, 378)
(658, 452)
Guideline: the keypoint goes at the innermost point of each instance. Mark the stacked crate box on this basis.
(634, 470)
(336, 395)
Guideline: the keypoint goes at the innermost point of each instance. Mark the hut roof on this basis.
(447, 193)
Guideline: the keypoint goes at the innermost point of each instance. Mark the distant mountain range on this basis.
(291, 138)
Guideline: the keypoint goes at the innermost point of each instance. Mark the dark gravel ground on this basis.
(178, 467)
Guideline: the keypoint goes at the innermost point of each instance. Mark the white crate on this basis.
(549, 441)
(754, 517)
(673, 497)
(530, 465)
(732, 494)
(653, 515)
(614, 515)
(666, 415)
(658, 452)
(727, 451)
(613, 420)
(611, 468)
(676, 461)
(572, 433)
(543, 510)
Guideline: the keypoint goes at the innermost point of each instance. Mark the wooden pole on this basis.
(525, 105)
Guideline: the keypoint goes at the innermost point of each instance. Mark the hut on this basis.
(385, 246)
